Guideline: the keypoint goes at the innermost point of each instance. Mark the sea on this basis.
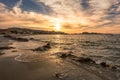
(101, 48)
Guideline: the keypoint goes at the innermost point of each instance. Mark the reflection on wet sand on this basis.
(55, 57)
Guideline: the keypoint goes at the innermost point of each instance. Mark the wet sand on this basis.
(22, 63)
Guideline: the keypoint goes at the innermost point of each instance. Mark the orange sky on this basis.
(80, 17)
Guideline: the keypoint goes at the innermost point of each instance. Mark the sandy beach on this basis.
(40, 59)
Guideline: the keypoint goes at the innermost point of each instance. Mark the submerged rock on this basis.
(1, 53)
(65, 55)
(14, 51)
(113, 67)
(31, 38)
(34, 39)
(16, 38)
(6, 47)
(85, 60)
(43, 48)
(103, 64)
(21, 39)
(75, 58)
(47, 45)
(60, 75)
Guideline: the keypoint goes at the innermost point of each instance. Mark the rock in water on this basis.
(1, 53)
(85, 60)
(6, 47)
(103, 64)
(16, 38)
(43, 48)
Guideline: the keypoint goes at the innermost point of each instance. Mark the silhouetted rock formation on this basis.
(88, 33)
(27, 31)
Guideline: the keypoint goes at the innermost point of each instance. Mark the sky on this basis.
(70, 16)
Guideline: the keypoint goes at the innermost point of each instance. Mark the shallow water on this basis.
(99, 47)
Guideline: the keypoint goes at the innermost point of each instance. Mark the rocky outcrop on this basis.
(43, 48)
(85, 60)
(16, 38)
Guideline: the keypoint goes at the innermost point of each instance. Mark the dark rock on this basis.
(21, 39)
(7, 47)
(31, 38)
(1, 53)
(85, 60)
(65, 54)
(57, 75)
(113, 67)
(47, 46)
(60, 75)
(43, 48)
(75, 58)
(39, 49)
(7, 36)
(14, 51)
(16, 38)
(103, 64)
(34, 39)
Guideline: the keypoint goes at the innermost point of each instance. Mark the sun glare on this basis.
(57, 27)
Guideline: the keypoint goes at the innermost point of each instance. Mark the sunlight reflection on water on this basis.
(99, 47)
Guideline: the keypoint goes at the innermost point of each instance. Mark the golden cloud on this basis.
(71, 18)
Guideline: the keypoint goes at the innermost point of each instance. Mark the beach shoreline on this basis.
(37, 59)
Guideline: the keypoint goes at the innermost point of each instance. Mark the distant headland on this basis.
(15, 30)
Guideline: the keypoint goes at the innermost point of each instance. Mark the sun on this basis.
(58, 27)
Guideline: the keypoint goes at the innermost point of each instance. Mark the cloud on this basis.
(17, 17)
(95, 10)
(73, 15)
(28, 5)
(73, 26)
(19, 3)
